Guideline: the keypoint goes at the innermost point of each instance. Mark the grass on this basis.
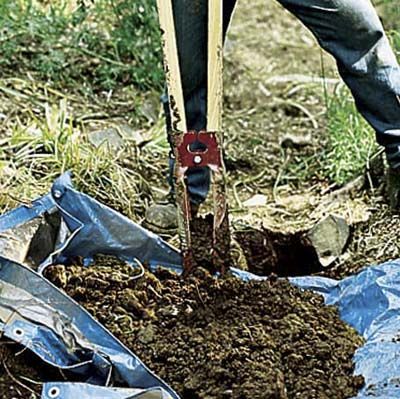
(349, 143)
(38, 152)
(350, 140)
(68, 68)
(390, 13)
(101, 46)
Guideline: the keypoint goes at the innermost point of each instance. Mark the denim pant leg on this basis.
(191, 26)
(351, 31)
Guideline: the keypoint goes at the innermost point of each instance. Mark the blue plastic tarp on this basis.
(93, 227)
(97, 227)
(76, 390)
(37, 315)
(368, 301)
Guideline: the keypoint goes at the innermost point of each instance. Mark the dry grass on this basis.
(45, 133)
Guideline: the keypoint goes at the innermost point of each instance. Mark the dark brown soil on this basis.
(202, 241)
(224, 338)
(21, 373)
(204, 253)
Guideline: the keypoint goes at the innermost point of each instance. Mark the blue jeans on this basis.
(350, 30)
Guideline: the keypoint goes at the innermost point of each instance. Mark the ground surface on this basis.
(291, 136)
(271, 60)
(225, 338)
(279, 126)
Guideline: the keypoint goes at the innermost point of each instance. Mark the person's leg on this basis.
(351, 31)
(191, 31)
(191, 26)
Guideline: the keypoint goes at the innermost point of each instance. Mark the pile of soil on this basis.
(221, 338)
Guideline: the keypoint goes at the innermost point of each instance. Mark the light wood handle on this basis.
(171, 65)
(215, 66)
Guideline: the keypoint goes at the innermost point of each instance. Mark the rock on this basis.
(295, 141)
(161, 217)
(256, 200)
(139, 137)
(296, 202)
(109, 136)
(329, 237)
(146, 334)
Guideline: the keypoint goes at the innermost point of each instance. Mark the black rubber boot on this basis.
(393, 187)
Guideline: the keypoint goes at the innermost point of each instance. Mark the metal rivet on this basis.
(54, 392)
(57, 194)
(197, 159)
(18, 332)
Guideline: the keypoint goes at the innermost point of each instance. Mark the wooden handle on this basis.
(215, 65)
(171, 65)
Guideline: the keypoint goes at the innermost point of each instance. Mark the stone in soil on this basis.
(221, 338)
(329, 238)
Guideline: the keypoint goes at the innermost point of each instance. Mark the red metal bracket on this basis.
(209, 156)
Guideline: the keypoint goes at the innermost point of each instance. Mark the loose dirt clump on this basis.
(202, 241)
(203, 244)
(221, 338)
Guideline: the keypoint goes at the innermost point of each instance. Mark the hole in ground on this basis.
(286, 255)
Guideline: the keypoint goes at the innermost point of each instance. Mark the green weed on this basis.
(351, 141)
(102, 46)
